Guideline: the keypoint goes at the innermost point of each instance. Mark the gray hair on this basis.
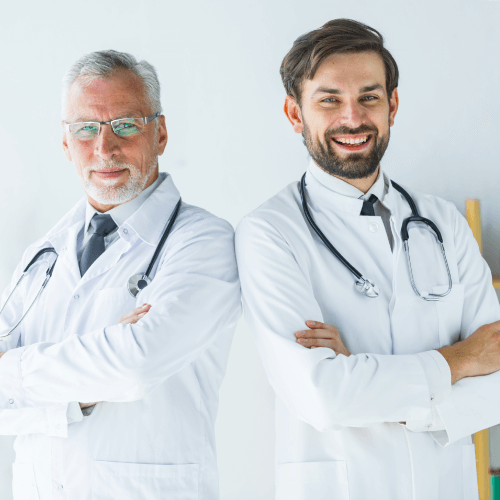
(103, 64)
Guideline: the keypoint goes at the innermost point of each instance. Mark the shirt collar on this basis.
(122, 212)
(379, 188)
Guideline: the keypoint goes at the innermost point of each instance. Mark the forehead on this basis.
(106, 98)
(348, 72)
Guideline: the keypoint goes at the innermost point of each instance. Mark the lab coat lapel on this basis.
(63, 237)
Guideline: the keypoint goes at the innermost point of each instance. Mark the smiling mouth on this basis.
(352, 142)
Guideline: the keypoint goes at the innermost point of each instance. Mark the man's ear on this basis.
(294, 114)
(393, 106)
(65, 142)
(162, 135)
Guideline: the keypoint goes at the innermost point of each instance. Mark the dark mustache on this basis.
(362, 129)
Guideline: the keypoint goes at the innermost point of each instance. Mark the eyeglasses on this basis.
(123, 127)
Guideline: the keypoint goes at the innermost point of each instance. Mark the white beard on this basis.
(109, 194)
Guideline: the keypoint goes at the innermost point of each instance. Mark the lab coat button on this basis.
(432, 397)
(59, 486)
(125, 231)
(373, 227)
(76, 297)
(11, 401)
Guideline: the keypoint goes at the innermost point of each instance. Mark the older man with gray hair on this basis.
(116, 340)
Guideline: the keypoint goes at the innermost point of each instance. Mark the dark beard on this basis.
(358, 166)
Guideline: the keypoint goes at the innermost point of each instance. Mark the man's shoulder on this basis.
(278, 212)
(191, 216)
(430, 205)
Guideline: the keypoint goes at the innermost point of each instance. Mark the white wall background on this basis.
(230, 146)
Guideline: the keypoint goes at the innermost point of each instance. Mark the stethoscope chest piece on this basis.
(367, 287)
(137, 282)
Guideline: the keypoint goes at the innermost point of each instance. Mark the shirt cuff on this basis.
(11, 382)
(438, 376)
(74, 413)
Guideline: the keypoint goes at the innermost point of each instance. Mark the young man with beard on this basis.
(378, 397)
(154, 362)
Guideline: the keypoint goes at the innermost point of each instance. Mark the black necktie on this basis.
(102, 224)
(368, 206)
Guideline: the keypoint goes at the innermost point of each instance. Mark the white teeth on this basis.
(359, 140)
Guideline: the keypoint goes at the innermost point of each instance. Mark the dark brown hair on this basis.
(335, 37)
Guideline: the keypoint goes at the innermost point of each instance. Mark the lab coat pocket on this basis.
(449, 310)
(469, 472)
(24, 484)
(130, 481)
(110, 304)
(312, 480)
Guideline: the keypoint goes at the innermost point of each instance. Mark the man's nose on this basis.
(352, 114)
(107, 143)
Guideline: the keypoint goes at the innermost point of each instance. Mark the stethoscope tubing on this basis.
(366, 284)
(320, 234)
(48, 275)
(164, 237)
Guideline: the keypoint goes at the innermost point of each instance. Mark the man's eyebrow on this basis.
(371, 88)
(362, 90)
(127, 114)
(327, 90)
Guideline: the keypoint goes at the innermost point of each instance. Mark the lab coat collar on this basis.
(150, 219)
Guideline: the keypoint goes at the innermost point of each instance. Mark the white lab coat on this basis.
(152, 434)
(338, 435)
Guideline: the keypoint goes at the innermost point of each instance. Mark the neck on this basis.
(364, 184)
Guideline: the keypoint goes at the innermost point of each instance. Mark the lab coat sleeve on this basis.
(16, 418)
(195, 297)
(318, 387)
(474, 403)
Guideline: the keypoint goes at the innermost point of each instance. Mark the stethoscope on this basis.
(135, 284)
(48, 275)
(365, 285)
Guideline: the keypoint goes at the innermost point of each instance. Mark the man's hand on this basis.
(135, 315)
(321, 335)
(478, 354)
(129, 318)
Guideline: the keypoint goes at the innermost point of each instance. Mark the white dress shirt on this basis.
(379, 188)
(152, 433)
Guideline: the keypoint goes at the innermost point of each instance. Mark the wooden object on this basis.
(482, 438)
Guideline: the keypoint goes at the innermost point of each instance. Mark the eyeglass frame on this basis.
(145, 121)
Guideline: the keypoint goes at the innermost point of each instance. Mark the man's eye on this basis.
(87, 128)
(125, 125)
(369, 98)
(329, 99)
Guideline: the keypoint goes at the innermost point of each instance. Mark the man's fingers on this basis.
(135, 315)
(330, 343)
(315, 325)
(317, 334)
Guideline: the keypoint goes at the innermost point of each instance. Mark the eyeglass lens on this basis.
(124, 127)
